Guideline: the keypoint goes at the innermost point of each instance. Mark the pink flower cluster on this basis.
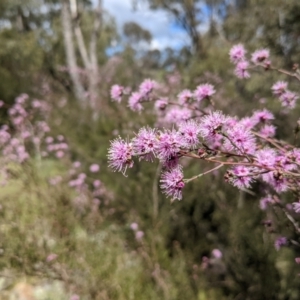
(251, 156)
(238, 57)
(144, 94)
(286, 97)
(244, 150)
(26, 128)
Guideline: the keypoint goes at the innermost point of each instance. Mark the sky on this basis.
(164, 31)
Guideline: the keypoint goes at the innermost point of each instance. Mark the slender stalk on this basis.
(202, 174)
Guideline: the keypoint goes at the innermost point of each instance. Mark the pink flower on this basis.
(147, 86)
(168, 145)
(94, 168)
(204, 91)
(288, 99)
(134, 102)
(76, 164)
(248, 123)
(264, 202)
(241, 70)
(177, 114)
(240, 177)
(237, 53)
(268, 131)
(60, 138)
(184, 97)
(216, 253)
(266, 157)
(279, 242)
(261, 56)
(49, 139)
(296, 207)
(116, 93)
(60, 154)
(172, 183)
(240, 139)
(134, 226)
(96, 183)
(279, 88)
(51, 257)
(262, 116)
(120, 155)
(189, 131)
(144, 143)
(276, 181)
(139, 235)
(161, 104)
(212, 124)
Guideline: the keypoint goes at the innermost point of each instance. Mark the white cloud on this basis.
(158, 22)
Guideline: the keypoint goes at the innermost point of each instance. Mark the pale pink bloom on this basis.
(76, 164)
(296, 207)
(261, 56)
(43, 126)
(204, 91)
(241, 70)
(36, 140)
(277, 182)
(177, 114)
(144, 143)
(60, 138)
(51, 257)
(247, 122)
(265, 202)
(134, 102)
(237, 53)
(116, 93)
(185, 96)
(240, 177)
(266, 157)
(120, 155)
(189, 130)
(216, 253)
(288, 99)
(1, 103)
(134, 226)
(279, 88)
(139, 235)
(168, 145)
(147, 86)
(96, 183)
(25, 134)
(280, 242)
(74, 297)
(172, 183)
(94, 168)
(36, 103)
(82, 176)
(49, 139)
(240, 140)
(60, 154)
(161, 104)
(268, 131)
(212, 124)
(262, 116)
